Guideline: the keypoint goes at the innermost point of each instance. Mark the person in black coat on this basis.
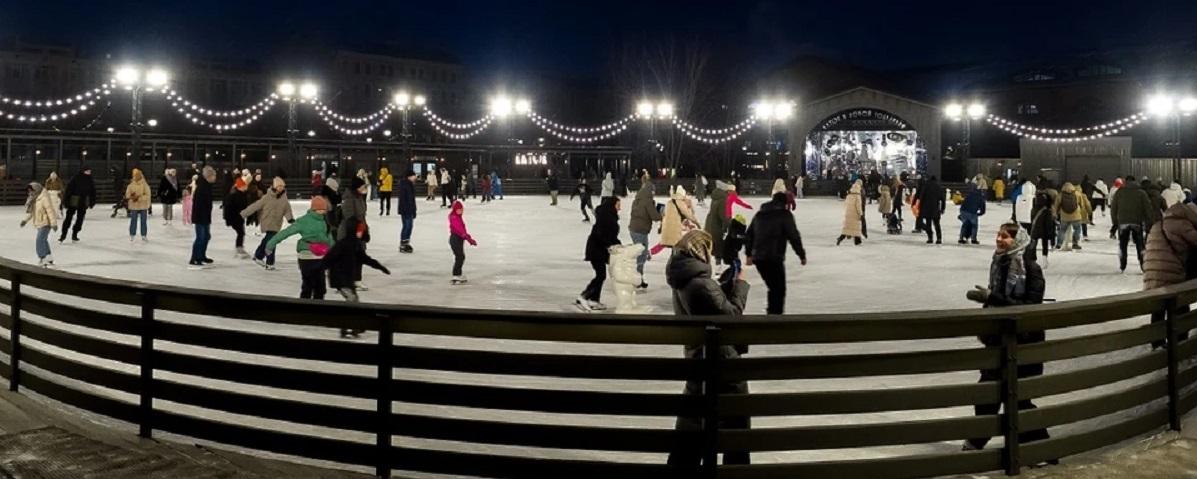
(603, 235)
(201, 217)
(80, 196)
(407, 209)
(1015, 278)
(695, 293)
(234, 202)
(583, 192)
(765, 246)
(168, 194)
(553, 185)
(344, 261)
(931, 206)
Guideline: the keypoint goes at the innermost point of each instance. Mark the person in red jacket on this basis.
(458, 236)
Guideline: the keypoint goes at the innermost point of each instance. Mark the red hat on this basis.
(240, 183)
(361, 227)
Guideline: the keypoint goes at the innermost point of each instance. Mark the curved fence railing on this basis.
(521, 394)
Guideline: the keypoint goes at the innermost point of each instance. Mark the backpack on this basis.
(1068, 203)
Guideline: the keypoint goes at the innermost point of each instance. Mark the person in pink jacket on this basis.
(458, 236)
(733, 199)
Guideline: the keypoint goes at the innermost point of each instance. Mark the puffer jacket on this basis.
(1169, 245)
(311, 228)
(1173, 195)
(605, 232)
(771, 230)
(695, 293)
(44, 213)
(272, 209)
(716, 223)
(644, 210)
(885, 203)
(138, 193)
(1131, 205)
(853, 212)
(676, 210)
(1024, 205)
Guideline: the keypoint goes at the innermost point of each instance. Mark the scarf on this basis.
(1016, 268)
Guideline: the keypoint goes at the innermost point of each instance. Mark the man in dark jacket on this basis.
(1132, 213)
(644, 214)
(695, 293)
(603, 235)
(971, 209)
(1014, 279)
(554, 186)
(80, 196)
(931, 206)
(1158, 205)
(765, 247)
(201, 217)
(407, 209)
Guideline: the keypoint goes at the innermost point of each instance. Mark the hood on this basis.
(856, 188)
(1174, 187)
(1099, 184)
(646, 191)
(723, 186)
(1028, 189)
(383, 171)
(457, 205)
(36, 187)
(608, 176)
(678, 193)
(683, 268)
(1068, 188)
(1021, 241)
(137, 176)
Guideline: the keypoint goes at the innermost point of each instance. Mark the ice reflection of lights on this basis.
(523, 159)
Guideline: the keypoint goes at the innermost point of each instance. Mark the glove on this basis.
(472, 242)
(385, 270)
(291, 221)
(980, 294)
(23, 223)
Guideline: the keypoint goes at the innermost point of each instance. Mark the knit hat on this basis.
(361, 227)
(240, 183)
(278, 183)
(739, 218)
(319, 203)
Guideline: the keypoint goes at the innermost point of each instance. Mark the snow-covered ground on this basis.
(530, 258)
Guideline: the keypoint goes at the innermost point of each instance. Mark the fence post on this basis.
(146, 404)
(386, 342)
(14, 335)
(1011, 456)
(1173, 364)
(710, 393)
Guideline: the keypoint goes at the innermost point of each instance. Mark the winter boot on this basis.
(405, 247)
(360, 286)
(241, 253)
(583, 304)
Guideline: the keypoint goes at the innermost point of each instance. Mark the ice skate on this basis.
(195, 265)
(260, 262)
(241, 254)
(458, 280)
(145, 240)
(360, 286)
(405, 247)
(597, 306)
(583, 304)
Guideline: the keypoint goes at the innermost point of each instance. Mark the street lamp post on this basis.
(773, 111)
(1172, 109)
(662, 110)
(501, 107)
(965, 115)
(133, 80)
(404, 101)
(287, 91)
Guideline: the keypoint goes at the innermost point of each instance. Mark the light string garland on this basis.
(481, 127)
(448, 125)
(715, 136)
(76, 107)
(617, 124)
(1057, 135)
(357, 120)
(185, 106)
(103, 89)
(379, 119)
(581, 139)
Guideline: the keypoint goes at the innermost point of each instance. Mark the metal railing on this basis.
(137, 353)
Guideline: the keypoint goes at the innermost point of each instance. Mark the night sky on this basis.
(578, 38)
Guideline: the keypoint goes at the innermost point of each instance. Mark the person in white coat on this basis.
(41, 210)
(1023, 208)
(608, 187)
(1100, 196)
(1173, 195)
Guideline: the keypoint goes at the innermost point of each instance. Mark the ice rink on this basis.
(530, 257)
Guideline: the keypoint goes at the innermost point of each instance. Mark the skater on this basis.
(644, 214)
(716, 224)
(799, 185)
(187, 202)
(677, 219)
(971, 211)
(853, 216)
(931, 205)
(168, 195)
(353, 210)
(1072, 209)
(137, 196)
(407, 210)
(583, 192)
(272, 208)
(53, 186)
(765, 247)
(608, 186)
(1101, 194)
(733, 200)
(344, 261)
(496, 182)
(1173, 195)
(315, 240)
(40, 209)
(1014, 279)
(603, 235)
(446, 188)
(1043, 222)
(737, 233)
(201, 217)
(885, 202)
(553, 185)
(331, 191)
(1167, 260)
(317, 182)
(234, 203)
(430, 183)
(485, 186)
(253, 193)
(700, 189)
(457, 237)
(1131, 211)
(80, 197)
(465, 189)
(695, 293)
(999, 190)
(365, 176)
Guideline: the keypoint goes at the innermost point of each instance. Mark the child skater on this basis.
(342, 262)
(457, 237)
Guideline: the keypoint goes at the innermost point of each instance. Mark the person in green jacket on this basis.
(315, 240)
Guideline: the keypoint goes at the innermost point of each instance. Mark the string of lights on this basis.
(380, 118)
(1042, 135)
(448, 125)
(486, 121)
(357, 120)
(1040, 131)
(43, 117)
(617, 124)
(184, 106)
(722, 135)
(103, 89)
(580, 139)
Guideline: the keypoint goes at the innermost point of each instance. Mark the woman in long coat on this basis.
(677, 210)
(853, 215)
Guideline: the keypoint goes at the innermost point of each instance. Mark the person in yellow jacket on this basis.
(138, 196)
(999, 190)
(1074, 210)
(386, 184)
